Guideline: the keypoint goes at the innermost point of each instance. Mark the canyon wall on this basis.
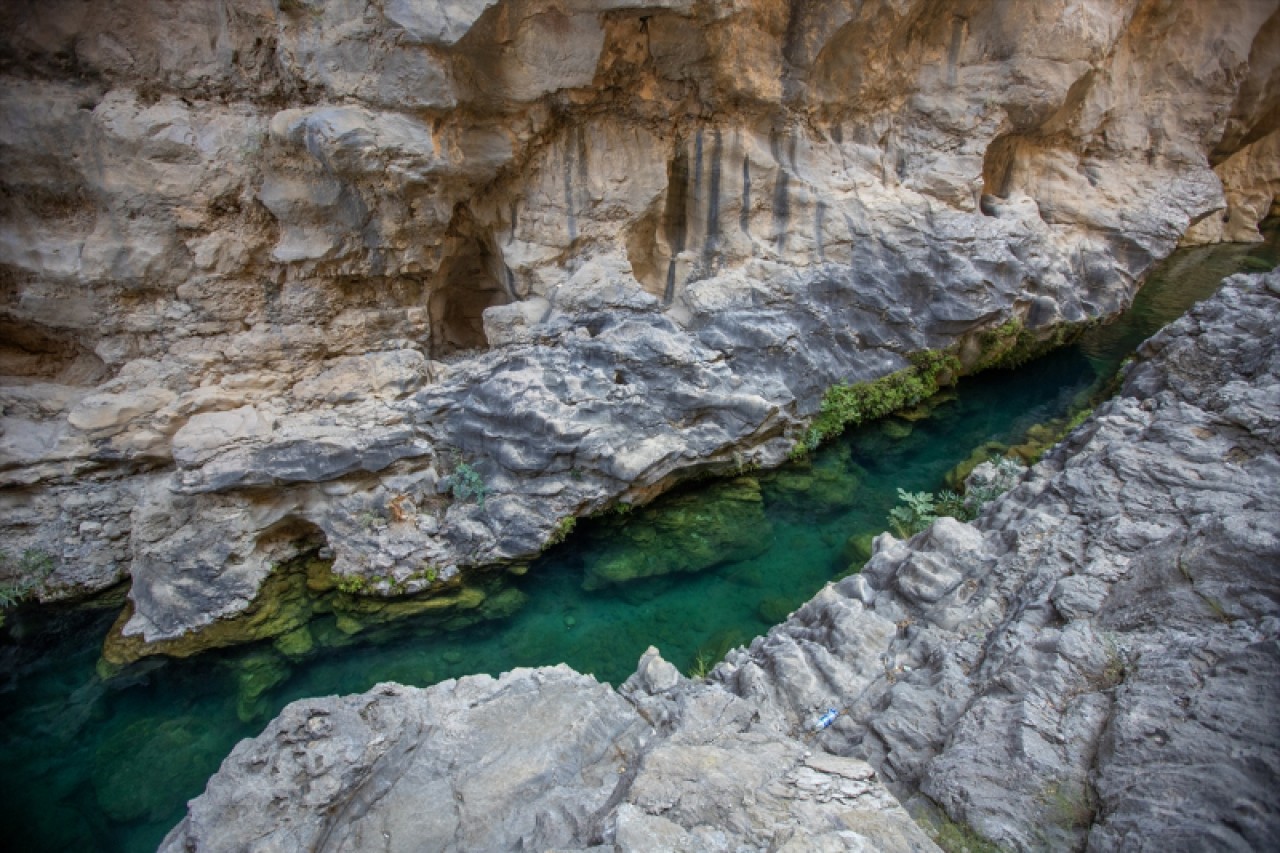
(414, 281)
(1093, 663)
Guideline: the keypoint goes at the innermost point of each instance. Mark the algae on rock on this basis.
(296, 593)
(686, 533)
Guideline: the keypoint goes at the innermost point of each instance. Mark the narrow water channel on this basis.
(94, 765)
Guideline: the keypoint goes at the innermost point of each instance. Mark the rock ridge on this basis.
(1091, 664)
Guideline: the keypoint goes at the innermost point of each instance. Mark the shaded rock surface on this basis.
(271, 267)
(1092, 664)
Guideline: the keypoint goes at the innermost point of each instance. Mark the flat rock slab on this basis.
(404, 769)
(538, 759)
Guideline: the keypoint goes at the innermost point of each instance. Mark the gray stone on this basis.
(537, 759)
(435, 21)
(405, 769)
(1121, 590)
(1051, 675)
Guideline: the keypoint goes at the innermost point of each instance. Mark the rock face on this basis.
(539, 760)
(268, 269)
(1245, 160)
(1093, 663)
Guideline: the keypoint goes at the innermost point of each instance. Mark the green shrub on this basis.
(953, 504)
(702, 665)
(850, 405)
(30, 569)
(562, 531)
(958, 837)
(1011, 345)
(466, 484)
(353, 584)
(915, 512)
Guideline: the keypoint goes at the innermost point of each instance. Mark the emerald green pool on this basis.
(93, 765)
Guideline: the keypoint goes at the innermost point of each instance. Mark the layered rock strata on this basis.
(1092, 664)
(281, 276)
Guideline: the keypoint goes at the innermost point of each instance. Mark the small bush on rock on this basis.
(467, 484)
(850, 405)
(562, 531)
(917, 510)
(30, 571)
(958, 837)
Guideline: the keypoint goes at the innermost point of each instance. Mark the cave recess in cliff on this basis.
(466, 286)
(31, 352)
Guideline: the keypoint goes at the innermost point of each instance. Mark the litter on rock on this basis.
(825, 720)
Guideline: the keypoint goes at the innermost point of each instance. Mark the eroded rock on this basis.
(1054, 674)
(586, 249)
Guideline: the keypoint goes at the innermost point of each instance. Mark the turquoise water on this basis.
(87, 764)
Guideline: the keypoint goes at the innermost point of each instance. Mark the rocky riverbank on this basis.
(1092, 663)
(416, 282)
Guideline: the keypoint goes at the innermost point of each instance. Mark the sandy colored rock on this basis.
(585, 248)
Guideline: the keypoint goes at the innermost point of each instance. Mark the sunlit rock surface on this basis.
(272, 268)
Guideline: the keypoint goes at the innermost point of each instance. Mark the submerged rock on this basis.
(723, 523)
(1054, 674)
(135, 767)
(288, 608)
(256, 674)
(817, 488)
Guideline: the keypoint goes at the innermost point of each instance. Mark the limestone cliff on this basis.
(1094, 663)
(277, 276)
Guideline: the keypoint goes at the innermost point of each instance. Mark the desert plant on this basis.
(952, 503)
(1114, 670)
(1070, 805)
(353, 584)
(917, 510)
(1011, 344)
(1006, 474)
(702, 665)
(29, 570)
(850, 405)
(956, 837)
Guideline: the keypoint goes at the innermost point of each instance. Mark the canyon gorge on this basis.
(404, 288)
